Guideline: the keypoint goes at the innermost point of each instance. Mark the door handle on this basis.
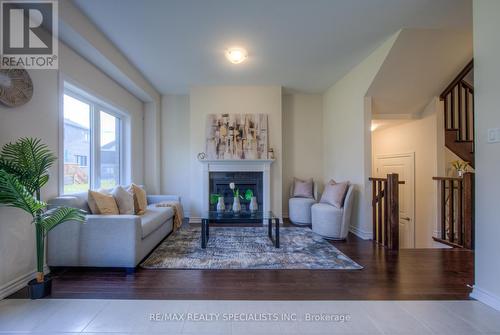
(406, 219)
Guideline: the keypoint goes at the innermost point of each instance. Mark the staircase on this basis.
(456, 194)
(458, 100)
(385, 206)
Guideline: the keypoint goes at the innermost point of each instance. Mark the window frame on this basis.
(94, 159)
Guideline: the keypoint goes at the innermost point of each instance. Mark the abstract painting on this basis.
(236, 136)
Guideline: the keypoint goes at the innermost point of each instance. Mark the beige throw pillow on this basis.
(303, 188)
(140, 200)
(334, 193)
(101, 203)
(124, 200)
(92, 205)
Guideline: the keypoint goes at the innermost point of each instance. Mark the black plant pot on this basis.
(40, 290)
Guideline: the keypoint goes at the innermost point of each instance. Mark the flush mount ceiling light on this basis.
(236, 55)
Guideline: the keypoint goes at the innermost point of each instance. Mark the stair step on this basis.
(451, 244)
(454, 133)
(457, 134)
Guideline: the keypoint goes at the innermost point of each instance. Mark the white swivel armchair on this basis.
(299, 209)
(331, 222)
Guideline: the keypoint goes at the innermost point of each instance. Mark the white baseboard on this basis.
(486, 297)
(365, 235)
(18, 283)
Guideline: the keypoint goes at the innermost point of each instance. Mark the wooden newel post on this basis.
(468, 210)
(393, 211)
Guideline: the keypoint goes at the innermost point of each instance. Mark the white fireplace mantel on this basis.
(239, 165)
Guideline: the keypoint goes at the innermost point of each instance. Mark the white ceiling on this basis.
(419, 66)
(303, 45)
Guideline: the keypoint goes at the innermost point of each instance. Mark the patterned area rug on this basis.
(247, 248)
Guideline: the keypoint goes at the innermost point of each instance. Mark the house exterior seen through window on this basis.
(86, 164)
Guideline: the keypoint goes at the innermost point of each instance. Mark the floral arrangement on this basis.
(214, 197)
(236, 193)
(460, 165)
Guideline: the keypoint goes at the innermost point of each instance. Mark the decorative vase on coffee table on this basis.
(221, 207)
(236, 205)
(254, 207)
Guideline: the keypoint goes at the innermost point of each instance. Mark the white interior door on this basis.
(404, 166)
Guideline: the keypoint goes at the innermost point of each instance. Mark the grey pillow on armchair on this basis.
(303, 188)
(334, 193)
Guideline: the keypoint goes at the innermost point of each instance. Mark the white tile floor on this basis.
(133, 317)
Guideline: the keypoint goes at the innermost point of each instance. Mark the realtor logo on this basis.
(28, 34)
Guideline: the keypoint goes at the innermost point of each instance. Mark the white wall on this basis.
(347, 136)
(40, 118)
(37, 118)
(81, 34)
(86, 76)
(487, 105)
(234, 99)
(152, 146)
(175, 138)
(302, 140)
(301, 133)
(420, 137)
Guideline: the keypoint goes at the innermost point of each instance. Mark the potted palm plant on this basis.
(24, 170)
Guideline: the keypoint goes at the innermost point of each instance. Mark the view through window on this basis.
(110, 153)
(87, 166)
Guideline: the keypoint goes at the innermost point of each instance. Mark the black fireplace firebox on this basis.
(219, 184)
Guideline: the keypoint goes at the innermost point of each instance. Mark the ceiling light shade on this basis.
(236, 55)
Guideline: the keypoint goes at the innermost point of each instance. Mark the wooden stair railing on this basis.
(458, 100)
(457, 211)
(385, 207)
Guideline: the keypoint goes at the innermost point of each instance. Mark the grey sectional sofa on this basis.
(108, 240)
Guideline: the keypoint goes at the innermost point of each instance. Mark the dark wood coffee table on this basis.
(236, 219)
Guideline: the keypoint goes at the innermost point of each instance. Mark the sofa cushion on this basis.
(153, 218)
(102, 203)
(92, 204)
(140, 199)
(75, 201)
(124, 200)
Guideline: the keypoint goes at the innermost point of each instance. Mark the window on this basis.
(92, 144)
(110, 155)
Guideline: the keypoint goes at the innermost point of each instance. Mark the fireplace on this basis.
(255, 173)
(245, 181)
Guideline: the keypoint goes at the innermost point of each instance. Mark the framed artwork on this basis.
(236, 136)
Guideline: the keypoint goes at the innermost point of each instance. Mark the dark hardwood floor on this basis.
(411, 274)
